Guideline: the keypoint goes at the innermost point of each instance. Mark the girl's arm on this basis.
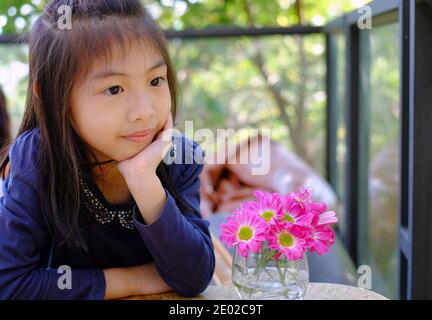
(137, 280)
(24, 235)
(179, 241)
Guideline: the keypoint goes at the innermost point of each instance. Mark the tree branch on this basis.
(296, 130)
(259, 62)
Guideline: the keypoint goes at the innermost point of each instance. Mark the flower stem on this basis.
(281, 275)
(285, 268)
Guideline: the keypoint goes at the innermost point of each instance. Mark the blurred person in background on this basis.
(4, 127)
(4, 121)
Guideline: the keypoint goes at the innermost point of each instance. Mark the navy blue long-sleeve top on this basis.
(178, 243)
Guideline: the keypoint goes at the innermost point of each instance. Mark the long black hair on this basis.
(57, 58)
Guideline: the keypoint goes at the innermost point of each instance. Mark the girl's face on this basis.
(117, 101)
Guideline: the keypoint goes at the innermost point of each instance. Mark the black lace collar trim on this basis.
(103, 211)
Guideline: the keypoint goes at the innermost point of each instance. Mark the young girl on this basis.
(90, 209)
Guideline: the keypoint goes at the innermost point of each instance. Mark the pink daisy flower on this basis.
(291, 225)
(299, 217)
(321, 217)
(299, 201)
(327, 218)
(267, 206)
(320, 239)
(244, 229)
(288, 240)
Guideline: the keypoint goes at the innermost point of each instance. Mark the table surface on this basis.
(315, 291)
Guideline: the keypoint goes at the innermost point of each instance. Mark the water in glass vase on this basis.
(257, 278)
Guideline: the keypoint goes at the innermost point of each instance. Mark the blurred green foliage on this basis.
(275, 82)
(197, 14)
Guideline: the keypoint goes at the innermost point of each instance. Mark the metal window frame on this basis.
(415, 205)
(9, 39)
(355, 196)
(356, 123)
(207, 33)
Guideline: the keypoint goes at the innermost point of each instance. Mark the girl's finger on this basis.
(165, 136)
(166, 132)
(169, 123)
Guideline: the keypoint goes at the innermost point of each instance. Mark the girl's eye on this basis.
(114, 90)
(157, 82)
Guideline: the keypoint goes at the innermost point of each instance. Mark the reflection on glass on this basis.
(379, 228)
(339, 87)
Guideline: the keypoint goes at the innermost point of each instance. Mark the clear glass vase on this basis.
(262, 277)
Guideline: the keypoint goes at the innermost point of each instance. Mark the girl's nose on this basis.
(141, 108)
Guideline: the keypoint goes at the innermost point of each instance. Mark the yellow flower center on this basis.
(245, 233)
(267, 215)
(288, 218)
(286, 239)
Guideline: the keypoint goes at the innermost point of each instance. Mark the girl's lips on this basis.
(139, 137)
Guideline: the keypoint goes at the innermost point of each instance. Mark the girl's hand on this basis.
(131, 281)
(146, 162)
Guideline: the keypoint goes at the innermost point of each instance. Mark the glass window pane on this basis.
(380, 106)
(338, 88)
(274, 82)
(262, 82)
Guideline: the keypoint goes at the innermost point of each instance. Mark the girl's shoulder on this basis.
(23, 181)
(24, 151)
(28, 138)
(187, 151)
